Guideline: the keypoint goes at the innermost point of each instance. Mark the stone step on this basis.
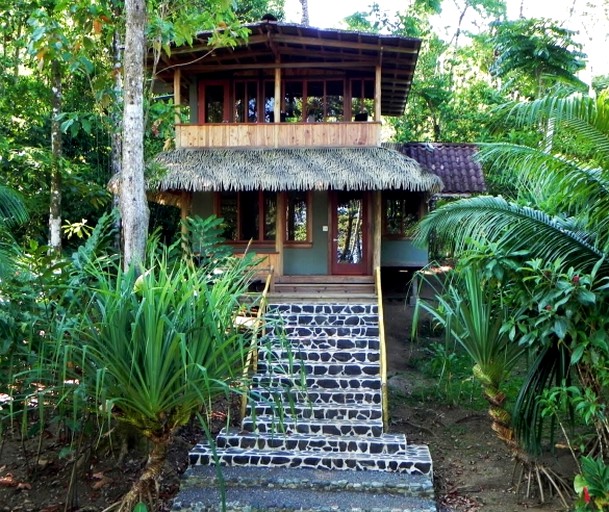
(309, 411)
(306, 490)
(415, 461)
(297, 368)
(299, 382)
(386, 444)
(332, 427)
(329, 397)
(317, 331)
(279, 310)
(325, 319)
(313, 355)
(319, 342)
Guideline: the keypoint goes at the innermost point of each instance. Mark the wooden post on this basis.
(185, 206)
(280, 231)
(177, 101)
(377, 228)
(377, 93)
(277, 103)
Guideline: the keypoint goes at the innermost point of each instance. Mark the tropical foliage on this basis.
(548, 249)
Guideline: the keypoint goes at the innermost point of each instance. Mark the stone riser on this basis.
(319, 412)
(266, 424)
(386, 444)
(315, 370)
(418, 464)
(328, 320)
(292, 331)
(327, 397)
(317, 384)
(274, 310)
(319, 343)
(284, 357)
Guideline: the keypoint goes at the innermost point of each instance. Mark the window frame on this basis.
(402, 195)
(262, 215)
(308, 242)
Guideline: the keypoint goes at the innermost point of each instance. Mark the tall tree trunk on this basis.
(116, 141)
(56, 152)
(305, 12)
(133, 204)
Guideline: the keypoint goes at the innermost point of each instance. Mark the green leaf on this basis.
(586, 297)
(560, 328)
(140, 507)
(577, 354)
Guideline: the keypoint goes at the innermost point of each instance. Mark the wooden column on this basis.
(177, 101)
(377, 228)
(177, 91)
(185, 206)
(277, 103)
(280, 231)
(377, 93)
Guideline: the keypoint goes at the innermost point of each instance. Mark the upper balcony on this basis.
(276, 135)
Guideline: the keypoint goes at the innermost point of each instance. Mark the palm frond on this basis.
(550, 367)
(516, 227)
(554, 182)
(560, 108)
(12, 209)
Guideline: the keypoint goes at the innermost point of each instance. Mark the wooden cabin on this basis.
(283, 141)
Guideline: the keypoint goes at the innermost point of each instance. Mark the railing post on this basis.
(383, 349)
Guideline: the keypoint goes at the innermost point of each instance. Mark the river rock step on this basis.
(285, 489)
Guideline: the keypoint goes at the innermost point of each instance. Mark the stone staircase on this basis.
(315, 405)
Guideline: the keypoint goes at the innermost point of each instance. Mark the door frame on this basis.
(364, 267)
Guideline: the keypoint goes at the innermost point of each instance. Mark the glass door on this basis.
(349, 226)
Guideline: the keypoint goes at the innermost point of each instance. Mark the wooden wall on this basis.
(279, 135)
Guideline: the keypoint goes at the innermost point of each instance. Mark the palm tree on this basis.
(558, 220)
(471, 315)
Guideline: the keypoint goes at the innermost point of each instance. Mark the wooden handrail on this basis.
(251, 362)
(383, 348)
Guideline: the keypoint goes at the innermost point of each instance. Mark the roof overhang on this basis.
(282, 169)
(271, 45)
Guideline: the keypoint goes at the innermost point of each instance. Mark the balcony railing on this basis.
(277, 135)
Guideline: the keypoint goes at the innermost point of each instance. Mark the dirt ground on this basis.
(473, 471)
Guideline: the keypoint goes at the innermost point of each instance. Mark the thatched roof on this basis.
(278, 169)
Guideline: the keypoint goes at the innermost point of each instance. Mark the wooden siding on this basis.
(279, 135)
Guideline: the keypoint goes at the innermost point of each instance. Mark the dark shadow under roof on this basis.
(455, 164)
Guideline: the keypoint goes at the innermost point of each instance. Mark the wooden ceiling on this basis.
(272, 44)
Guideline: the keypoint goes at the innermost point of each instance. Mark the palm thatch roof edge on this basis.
(280, 169)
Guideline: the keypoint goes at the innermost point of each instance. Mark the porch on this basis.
(323, 288)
